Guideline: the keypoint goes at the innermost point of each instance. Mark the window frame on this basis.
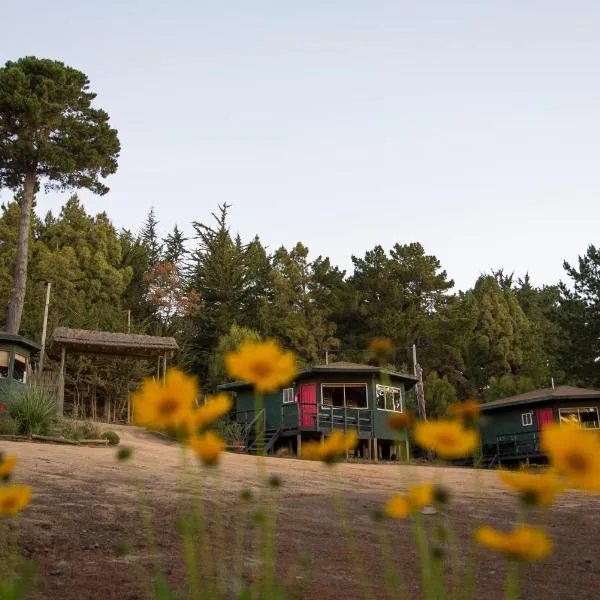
(289, 393)
(7, 366)
(343, 385)
(578, 409)
(529, 418)
(393, 389)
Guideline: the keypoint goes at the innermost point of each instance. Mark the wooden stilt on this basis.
(164, 367)
(60, 400)
(298, 445)
(407, 451)
(375, 450)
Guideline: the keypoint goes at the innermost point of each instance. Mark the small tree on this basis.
(50, 134)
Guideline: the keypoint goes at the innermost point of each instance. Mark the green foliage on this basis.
(33, 410)
(507, 385)
(230, 432)
(112, 437)
(8, 426)
(74, 430)
(439, 394)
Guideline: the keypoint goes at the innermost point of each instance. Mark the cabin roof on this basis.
(19, 340)
(83, 341)
(336, 367)
(561, 392)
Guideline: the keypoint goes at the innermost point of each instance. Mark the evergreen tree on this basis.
(174, 246)
(150, 239)
(51, 134)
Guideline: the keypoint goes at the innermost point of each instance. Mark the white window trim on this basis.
(289, 394)
(578, 408)
(527, 416)
(389, 387)
(324, 385)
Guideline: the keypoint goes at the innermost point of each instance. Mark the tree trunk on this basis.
(17, 299)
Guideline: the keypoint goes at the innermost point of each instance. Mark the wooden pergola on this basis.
(126, 345)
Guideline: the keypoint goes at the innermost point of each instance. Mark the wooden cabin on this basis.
(510, 430)
(15, 358)
(338, 395)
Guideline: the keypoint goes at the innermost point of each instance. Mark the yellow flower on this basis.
(14, 499)
(397, 507)
(382, 347)
(465, 411)
(538, 489)
(214, 408)
(448, 439)
(7, 465)
(263, 364)
(574, 453)
(336, 444)
(207, 447)
(165, 405)
(400, 420)
(523, 543)
(420, 496)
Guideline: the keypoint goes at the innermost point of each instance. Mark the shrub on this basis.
(72, 430)
(33, 410)
(230, 432)
(112, 437)
(8, 426)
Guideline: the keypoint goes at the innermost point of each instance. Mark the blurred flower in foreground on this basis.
(207, 447)
(448, 439)
(336, 444)
(14, 498)
(206, 414)
(523, 543)
(536, 489)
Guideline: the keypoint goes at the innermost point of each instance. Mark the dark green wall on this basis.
(507, 420)
(13, 348)
(273, 402)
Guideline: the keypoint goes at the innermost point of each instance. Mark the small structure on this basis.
(15, 358)
(510, 431)
(339, 395)
(127, 345)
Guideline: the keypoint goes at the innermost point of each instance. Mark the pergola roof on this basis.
(82, 341)
(561, 392)
(18, 340)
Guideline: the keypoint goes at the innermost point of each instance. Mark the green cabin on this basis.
(510, 429)
(15, 358)
(339, 395)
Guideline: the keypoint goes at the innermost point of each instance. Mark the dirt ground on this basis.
(86, 506)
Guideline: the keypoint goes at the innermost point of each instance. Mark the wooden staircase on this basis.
(262, 444)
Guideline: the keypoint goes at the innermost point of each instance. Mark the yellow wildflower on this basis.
(14, 499)
(420, 496)
(523, 543)
(165, 405)
(574, 453)
(7, 465)
(214, 408)
(448, 439)
(468, 411)
(400, 420)
(397, 507)
(336, 444)
(382, 347)
(538, 489)
(263, 364)
(207, 447)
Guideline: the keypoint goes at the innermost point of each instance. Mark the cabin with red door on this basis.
(339, 395)
(510, 428)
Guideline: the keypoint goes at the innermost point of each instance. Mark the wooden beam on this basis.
(298, 445)
(375, 450)
(164, 367)
(60, 399)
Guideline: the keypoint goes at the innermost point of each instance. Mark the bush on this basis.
(230, 432)
(33, 410)
(112, 437)
(72, 430)
(8, 426)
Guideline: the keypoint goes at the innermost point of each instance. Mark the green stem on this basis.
(512, 581)
(392, 576)
(424, 558)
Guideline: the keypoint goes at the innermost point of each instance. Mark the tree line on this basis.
(503, 336)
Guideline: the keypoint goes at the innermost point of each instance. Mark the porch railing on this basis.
(312, 417)
(524, 443)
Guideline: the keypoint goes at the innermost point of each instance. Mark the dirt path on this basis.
(86, 507)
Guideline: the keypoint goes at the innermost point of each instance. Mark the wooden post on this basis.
(298, 445)
(375, 450)
(44, 329)
(407, 451)
(128, 408)
(60, 400)
(164, 367)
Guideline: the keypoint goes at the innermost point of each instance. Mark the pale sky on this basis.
(472, 127)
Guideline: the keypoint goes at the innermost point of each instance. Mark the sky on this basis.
(471, 127)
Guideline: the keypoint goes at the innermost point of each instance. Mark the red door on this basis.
(308, 405)
(544, 417)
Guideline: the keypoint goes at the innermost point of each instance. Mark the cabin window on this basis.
(584, 417)
(389, 398)
(4, 356)
(20, 368)
(349, 395)
(527, 419)
(288, 395)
